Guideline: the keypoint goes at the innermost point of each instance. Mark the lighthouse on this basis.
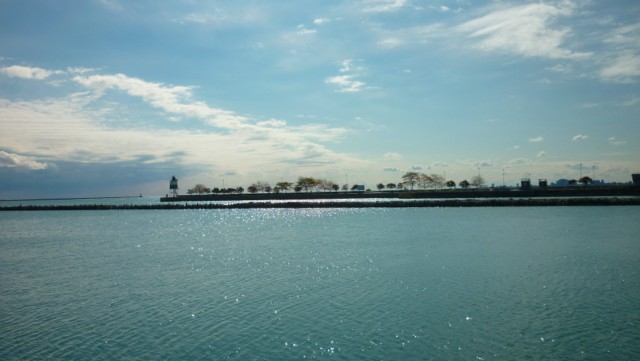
(173, 186)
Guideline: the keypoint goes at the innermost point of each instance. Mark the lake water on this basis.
(543, 283)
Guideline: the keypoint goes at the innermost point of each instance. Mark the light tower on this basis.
(173, 186)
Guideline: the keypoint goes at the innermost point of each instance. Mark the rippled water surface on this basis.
(351, 284)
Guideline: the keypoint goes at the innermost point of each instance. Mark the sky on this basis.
(113, 97)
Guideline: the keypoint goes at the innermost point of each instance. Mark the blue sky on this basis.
(107, 97)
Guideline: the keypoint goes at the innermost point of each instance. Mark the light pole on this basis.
(581, 170)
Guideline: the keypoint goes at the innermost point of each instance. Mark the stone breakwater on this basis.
(508, 202)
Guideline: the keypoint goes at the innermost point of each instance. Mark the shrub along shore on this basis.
(493, 202)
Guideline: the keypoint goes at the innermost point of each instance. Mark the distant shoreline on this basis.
(64, 199)
(585, 192)
(451, 203)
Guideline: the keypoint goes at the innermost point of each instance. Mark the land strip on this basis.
(494, 202)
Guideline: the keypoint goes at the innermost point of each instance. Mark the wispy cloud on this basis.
(579, 137)
(27, 72)
(421, 34)
(172, 99)
(541, 154)
(347, 81)
(391, 169)
(321, 21)
(392, 156)
(524, 30)
(66, 129)
(382, 6)
(536, 139)
(616, 142)
(11, 160)
(624, 68)
(622, 57)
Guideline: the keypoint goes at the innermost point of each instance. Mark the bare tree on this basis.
(477, 181)
(410, 178)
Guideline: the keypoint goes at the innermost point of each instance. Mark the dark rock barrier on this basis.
(501, 202)
(578, 191)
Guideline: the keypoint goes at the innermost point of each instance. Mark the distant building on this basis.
(542, 183)
(525, 183)
(360, 188)
(636, 179)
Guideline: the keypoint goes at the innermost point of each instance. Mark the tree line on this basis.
(410, 181)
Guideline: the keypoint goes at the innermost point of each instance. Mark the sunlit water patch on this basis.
(351, 284)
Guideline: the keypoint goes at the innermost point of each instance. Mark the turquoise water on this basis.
(349, 284)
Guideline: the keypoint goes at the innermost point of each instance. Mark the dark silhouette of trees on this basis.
(464, 184)
(437, 180)
(411, 178)
(477, 181)
(380, 186)
(572, 182)
(585, 180)
(391, 185)
(424, 181)
(335, 187)
(198, 189)
(451, 184)
(307, 183)
(284, 186)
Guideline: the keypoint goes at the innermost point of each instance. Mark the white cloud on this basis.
(579, 137)
(392, 156)
(26, 72)
(11, 160)
(561, 68)
(536, 140)
(272, 123)
(622, 69)
(616, 142)
(381, 6)
(622, 57)
(321, 21)
(625, 37)
(390, 39)
(524, 30)
(66, 129)
(302, 30)
(348, 66)
(518, 161)
(172, 99)
(415, 168)
(391, 169)
(541, 154)
(348, 81)
(345, 83)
